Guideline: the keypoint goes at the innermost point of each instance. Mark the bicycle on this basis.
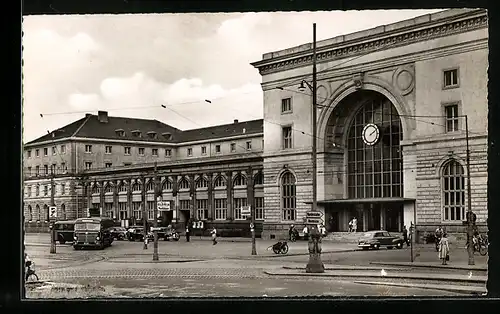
(31, 276)
(481, 245)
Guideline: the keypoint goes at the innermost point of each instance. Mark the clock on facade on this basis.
(371, 134)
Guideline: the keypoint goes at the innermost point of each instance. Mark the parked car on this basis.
(378, 239)
(135, 233)
(166, 234)
(119, 233)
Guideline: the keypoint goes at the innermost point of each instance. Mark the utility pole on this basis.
(251, 201)
(470, 227)
(315, 264)
(144, 213)
(155, 232)
(51, 221)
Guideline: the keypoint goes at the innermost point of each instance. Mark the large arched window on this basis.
(108, 188)
(136, 187)
(150, 186)
(122, 187)
(258, 179)
(374, 170)
(167, 184)
(220, 181)
(37, 211)
(201, 183)
(183, 184)
(288, 196)
(30, 213)
(453, 187)
(96, 189)
(239, 180)
(63, 212)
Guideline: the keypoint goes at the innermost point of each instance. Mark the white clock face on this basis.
(371, 134)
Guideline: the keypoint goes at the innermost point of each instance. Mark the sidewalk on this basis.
(378, 274)
(474, 290)
(459, 265)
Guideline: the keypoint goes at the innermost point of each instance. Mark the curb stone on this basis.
(474, 290)
(429, 265)
(476, 279)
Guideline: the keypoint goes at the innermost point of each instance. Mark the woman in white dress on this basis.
(444, 248)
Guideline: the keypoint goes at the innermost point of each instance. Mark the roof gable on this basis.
(66, 131)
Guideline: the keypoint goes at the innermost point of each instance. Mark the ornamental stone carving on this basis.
(403, 79)
(397, 40)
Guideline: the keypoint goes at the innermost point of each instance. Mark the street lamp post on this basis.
(51, 220)
(470, 231)
(315, 265)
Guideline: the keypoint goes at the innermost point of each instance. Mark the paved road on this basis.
(201, 269)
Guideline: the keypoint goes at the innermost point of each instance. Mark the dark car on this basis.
(135, 233)
(118, 233)
(64, 231)
(165, 233)
(378, 239)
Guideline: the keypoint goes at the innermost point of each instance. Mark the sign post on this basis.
(52, 219)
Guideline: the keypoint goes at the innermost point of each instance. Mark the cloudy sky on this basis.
(130, 65)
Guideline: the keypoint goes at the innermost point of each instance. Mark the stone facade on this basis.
(404, 62)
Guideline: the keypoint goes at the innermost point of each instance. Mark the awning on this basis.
(366, 200)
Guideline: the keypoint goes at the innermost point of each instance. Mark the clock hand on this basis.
(373, 132)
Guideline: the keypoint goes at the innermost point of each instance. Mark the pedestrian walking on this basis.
(405, 236)
(350, 225)
(354, 224)
(306, 233)
(444, 249)
(188, 231)
(214, 236)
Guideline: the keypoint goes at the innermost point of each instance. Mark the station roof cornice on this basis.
(402, 33)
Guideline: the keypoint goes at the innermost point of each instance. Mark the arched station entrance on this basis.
(371, 132)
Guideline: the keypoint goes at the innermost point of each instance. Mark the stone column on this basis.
(116, 213)
(129, 199)
(229, 192)
(210, 201)
(192, 193)
(175, 208)
(101, 199)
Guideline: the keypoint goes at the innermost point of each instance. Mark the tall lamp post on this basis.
(155, 232)
(52, 220)
(470, 214)
(315, 265)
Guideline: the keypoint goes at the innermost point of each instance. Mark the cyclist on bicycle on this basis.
(292, 232)
(27, 265)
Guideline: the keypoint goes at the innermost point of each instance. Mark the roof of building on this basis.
(102, 126)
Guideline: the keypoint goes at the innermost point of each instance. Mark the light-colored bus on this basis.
(93, 232)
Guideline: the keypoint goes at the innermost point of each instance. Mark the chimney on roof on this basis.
(102, 116)
(235, 121)
(87, 115)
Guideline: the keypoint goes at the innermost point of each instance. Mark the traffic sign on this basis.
(245, 210)
(314, 214)
(163, 206)
(251, 225)
(313, 221)
(53, 212)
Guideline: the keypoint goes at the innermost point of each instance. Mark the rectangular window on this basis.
(154, 152)
(29, 153)
(28, 173)
(45, 190)
(217, 148)
(450, 78)
(249, 145)
(122, 208)
(108, 210)
(37, 190)
(151, 210)
(287, 137)
(238, 204)
(63, 149)
(203, 150)
(452, 118)
(190, 152)
(37, 153)
(63, 188)
(88, 148)
(63, 167)
(184, 204)
(137, 210)
(37, 170)
(168, 152)
(109, 149)
(45, 151)
(108, 165)
(286, 105)
(28, 192)
(53, 168)
(88, 165)
(127, 150)
(233, 147)
(201, 209)
(54, 150)
(220, 209)
(259, 208)
(46, 169)
(141, 151)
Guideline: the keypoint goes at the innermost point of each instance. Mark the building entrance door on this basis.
(185, 215)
